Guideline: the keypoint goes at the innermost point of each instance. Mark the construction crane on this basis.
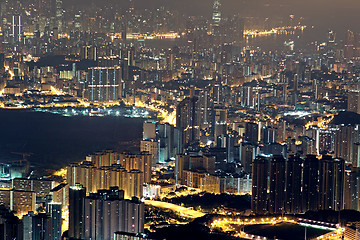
(24, 156)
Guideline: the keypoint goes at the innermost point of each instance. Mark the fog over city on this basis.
(325, 14)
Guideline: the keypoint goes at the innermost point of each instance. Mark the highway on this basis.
(186, 212)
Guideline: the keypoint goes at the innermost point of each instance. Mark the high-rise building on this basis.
(277, 185)
(153, 148)
(346, 136)
(220, 123)
(216, 17)
(188, 120)
(298, 186)
(103, 84)
(149, 130)
(94, 179)
(234, 184)
(77, 194)
(43, 226)
(195, 166)
(260, 175)
(352, 189)
(141, 162)
(11, 227)
(349, 47)
(54, 211)
(181, 163)
(205, 107)
(331, 37)
(252, 132)
(331, 184)
(293, 193)
(216, 94)
(16, 31)
(202, 180)
(247, 155)
(40, 186)
(162, 141)
(107, 212)
(247, 97)
(353, 101)
(269, 135)
(18, 201)
(22, 202)
(36, 227)
(129, 236)
(311, 183)
(170, 138)
(238, 25)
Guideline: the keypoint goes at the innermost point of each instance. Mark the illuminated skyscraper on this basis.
(216, 17)
(188, 119)
(16, 29)
(247, 97)
(331, 37)
(205, 107)
(107, 212)
(57, 12)
(103, 84)
(352, 45)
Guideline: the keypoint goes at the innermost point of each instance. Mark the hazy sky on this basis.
(338, 14)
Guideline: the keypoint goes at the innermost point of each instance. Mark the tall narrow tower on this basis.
(216, 17)
(16, 28)
(131, 6)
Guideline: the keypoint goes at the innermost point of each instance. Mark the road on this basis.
(176, 208)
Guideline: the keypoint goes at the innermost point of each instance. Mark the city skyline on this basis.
(208, 119)
(328, 14)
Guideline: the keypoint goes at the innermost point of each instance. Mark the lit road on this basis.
(164, 115)
(186, 212)
(228, 225)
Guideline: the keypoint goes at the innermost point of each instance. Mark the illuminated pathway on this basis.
(186, 212)
(227, 225)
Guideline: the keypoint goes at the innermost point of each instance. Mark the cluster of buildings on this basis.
(106, 206)
(100, 215)
(108, 169)
(233, 117)
(37, 202)
(297, 185)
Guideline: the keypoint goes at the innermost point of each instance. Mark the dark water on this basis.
(54, 140)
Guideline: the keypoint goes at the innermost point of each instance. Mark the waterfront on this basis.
(268, 42)
(55, 140)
